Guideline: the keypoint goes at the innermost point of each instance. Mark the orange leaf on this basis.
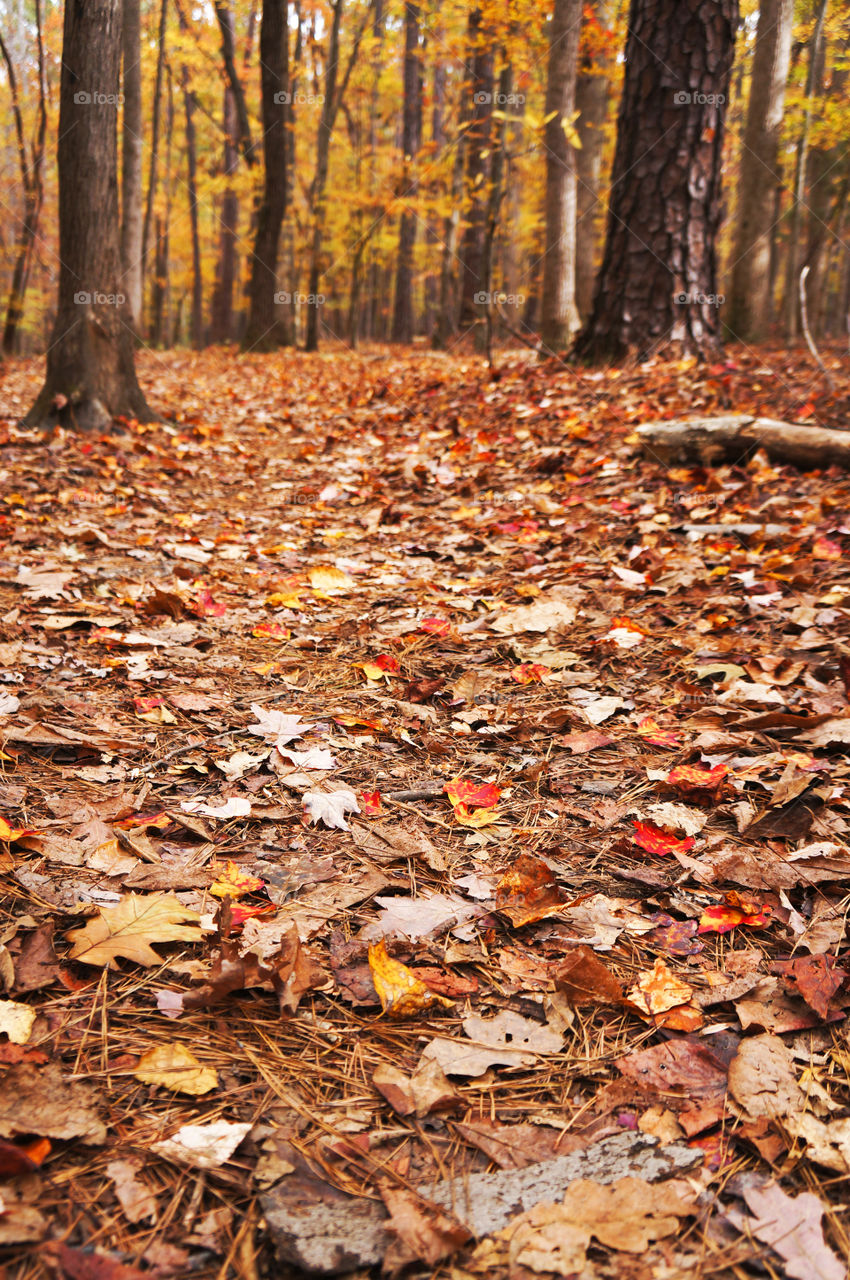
(530, 672)
(435, 626)
(387, 662)
(480, 818)
(271, 631)
(401, 993)
(235, 883)
(650, 729)
(206, 607)
(528, 891)
(480, 795)
(656, 840)
(658, 989)
(690, 777)
(8, 834)
(734, 911)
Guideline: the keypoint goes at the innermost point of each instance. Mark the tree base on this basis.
(710, 441)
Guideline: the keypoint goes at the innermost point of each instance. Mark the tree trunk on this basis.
(242, 127)
(221, 318)
(473, 285)
(560, 317)
(264, 320)
(32, 185)
(657, 284)
(90, 376)
(792, 262)
(154, 162)
(323, 150)
(131, 161)
(197, 318)
(411, 133)
(593, 91)
(448, 307)
(748, 314)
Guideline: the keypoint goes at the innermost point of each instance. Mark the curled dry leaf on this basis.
(175, 1067)
(401, 993)
(528, 891)
(129, 928)
(202, 1146)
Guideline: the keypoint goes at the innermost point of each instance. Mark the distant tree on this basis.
(559, 315)
(411, 135)
(748, 312)
(657, 286)
(90, 377)
(131, 160)
(479, 88)
(593, 94)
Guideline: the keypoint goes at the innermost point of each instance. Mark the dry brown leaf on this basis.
(136, 1200)
(129, 928)
(38, 1100)
(427, 1232)
(762, 1079)
(175, 1067)
(627, 1215)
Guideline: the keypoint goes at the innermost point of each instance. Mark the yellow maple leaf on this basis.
(235, 883)
(129, 928)
(176, 1068)
(330, 580)
(399, 990)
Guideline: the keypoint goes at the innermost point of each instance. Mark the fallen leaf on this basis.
(762, 1079)
(16, 1021)
(277, 726)
(330, 807)
(401, 993)
(651, 730)
(235, 883)
(38, 1100)
(586, 980)
(129, 928)
(235, 807)
(546, 614)
(658, 990)
(136, 1200)
(627, 1215)
(427, 1232)
(175, 1067)
(528, 891)
(655, 840)
(329, 580)
(791, 1226)
(732, 912)
(203, 1146)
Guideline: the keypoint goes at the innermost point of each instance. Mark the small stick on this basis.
(810, 342)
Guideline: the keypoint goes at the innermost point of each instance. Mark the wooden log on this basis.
(736, 437)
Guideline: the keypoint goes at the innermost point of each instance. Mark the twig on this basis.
(810, 342)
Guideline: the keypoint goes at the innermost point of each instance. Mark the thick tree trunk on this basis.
(748, 314)
(473, 285)
(131, 161)
(90, 375)
(593, 90)
(560, 317)
(264, 331)
(657, 285)
(411, 134)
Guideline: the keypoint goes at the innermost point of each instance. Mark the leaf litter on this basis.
(312, 844)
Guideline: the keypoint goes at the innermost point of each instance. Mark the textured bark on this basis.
(750, 300)
(471, 252)
(197, 318)
(131, 161)
(593, 90)
(710, 441)
(323, 147)
(411, 134)
(90, 375)
(560, 317)
(265, 330)
(657, 284)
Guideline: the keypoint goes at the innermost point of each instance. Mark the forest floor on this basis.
(404, 780)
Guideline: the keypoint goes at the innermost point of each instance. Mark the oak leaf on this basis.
(129, 928)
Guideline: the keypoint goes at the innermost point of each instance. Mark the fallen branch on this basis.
(734, 438)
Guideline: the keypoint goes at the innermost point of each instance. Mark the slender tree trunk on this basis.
(748, 314)
(560, 317)
(323, 149)
(131, 161)
(90, 376)
(792, 261)
(31, 180)
(197, 317)
(497, 191)
(471, 254)
(593, 93)
(264, 318)
(154, 161)
(161, 289)
(658, 281)
(411, 134)
(242, 126)
(221, 319)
